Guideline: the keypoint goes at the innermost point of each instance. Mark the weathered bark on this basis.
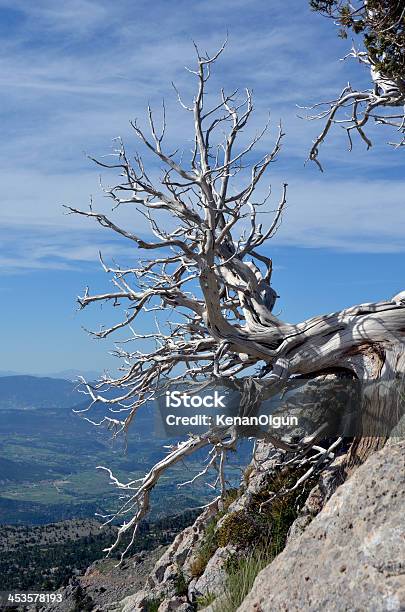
(383, 405)
(219, 284)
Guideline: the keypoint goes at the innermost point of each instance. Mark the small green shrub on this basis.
(205, 600)
(209, 543)
(82, 601)
(264, 526)
(238, 528)
(180, 584)
(230, 496)
(152, 604)
(262, 530)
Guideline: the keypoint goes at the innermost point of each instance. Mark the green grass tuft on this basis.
(180, 584)
(241, 576)
(207, 548)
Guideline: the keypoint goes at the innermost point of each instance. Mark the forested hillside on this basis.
(47, 556)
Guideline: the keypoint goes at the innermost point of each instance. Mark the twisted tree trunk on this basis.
(210, 270)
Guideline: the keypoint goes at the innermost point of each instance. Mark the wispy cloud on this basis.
(27, 249)
(74, 74)
(357, 216)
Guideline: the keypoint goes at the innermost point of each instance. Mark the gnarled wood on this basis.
(209, 270)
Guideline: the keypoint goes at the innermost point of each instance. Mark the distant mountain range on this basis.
(63, 374)
(24, 391)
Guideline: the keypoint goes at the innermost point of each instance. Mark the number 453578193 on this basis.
(15, 598)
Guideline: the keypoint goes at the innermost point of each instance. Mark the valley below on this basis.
(53, 497)
(49, 457)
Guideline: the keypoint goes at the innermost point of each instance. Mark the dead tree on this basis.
(381, 24)
(211, 274)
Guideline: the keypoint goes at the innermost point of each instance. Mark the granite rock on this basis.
(351, 557)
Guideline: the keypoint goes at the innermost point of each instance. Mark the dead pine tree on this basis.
(211, 272)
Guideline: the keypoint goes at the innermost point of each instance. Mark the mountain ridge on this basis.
(70, 374)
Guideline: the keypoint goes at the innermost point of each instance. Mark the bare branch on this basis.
(208, 282)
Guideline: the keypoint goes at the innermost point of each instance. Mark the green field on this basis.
(49, 455)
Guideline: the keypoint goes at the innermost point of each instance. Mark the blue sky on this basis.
(73, 74)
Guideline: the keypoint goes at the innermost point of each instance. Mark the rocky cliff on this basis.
(352, 555)
(332, 543)
(328, 545)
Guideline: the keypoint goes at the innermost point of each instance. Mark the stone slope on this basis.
(343, 552)
(104, 584)
(193, 570)
(351, 557)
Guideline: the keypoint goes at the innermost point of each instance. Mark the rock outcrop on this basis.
(330, 545)
(351, 557)
(104, 584)
(167, 584)
(193, 571)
